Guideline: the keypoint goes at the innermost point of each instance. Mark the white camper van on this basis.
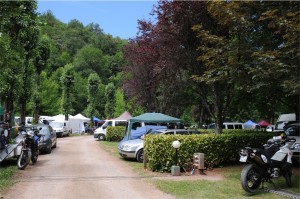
(228, 125)
(62, 128)
(100, 132)
(284, 120)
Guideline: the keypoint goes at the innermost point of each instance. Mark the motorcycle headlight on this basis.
(264, 158)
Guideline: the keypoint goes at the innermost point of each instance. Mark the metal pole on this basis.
(176, 156)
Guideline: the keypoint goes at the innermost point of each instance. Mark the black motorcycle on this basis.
(273, 161)
(30, 151)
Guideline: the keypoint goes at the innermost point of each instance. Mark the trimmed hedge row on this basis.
(218, 148)
(115, 133)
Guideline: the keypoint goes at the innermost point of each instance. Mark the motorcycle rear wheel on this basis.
(23, 160)
(251, 178)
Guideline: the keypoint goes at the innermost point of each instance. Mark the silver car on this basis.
(134, 149)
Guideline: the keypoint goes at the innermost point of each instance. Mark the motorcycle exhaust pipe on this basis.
(256, 159)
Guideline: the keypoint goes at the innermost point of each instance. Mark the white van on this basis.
(228, 125)
(62, 128)
(284, 120)
(100, 132)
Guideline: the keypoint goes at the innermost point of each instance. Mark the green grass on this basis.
(7, 170)
(228, 188)
(196, 189)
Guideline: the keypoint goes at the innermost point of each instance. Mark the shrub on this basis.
(218, 148)
(115, 133)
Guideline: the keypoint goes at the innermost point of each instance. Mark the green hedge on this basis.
(218, 148)
(115, 133)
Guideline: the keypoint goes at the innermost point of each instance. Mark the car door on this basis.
(52, 135)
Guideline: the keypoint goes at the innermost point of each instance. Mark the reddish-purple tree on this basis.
(162, 56)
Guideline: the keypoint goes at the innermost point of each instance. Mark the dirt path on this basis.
(79, 169)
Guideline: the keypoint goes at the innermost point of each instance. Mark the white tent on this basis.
(59, 117)
(77, 123)
(81, 117)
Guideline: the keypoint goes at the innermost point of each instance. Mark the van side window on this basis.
(230, 126)
(238, 126)
(120, 123)
(107, 124)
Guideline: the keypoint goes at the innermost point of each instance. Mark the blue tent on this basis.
(251, 125)
(95, 119)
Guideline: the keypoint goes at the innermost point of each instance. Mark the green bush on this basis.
(218, 148)
(115, 133)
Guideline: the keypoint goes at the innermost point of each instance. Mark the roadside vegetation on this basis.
(229, 187)
(7, 170)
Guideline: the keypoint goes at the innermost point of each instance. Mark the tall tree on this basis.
(110, 96)
(18, 21)
(120, 106)
(41, 57)
(67, 82)
(93, 83)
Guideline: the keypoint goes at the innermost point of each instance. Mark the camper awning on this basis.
(150, 118)
(154, 117)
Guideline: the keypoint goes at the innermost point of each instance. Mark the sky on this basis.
(117, 18)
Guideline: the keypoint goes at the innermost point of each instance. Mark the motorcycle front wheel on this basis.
(23, 160)
(35, 156)
(251, 178)
(288, 178)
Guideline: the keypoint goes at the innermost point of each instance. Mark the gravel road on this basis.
(79, 169)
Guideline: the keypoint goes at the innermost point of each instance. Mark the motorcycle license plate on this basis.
(243, 159)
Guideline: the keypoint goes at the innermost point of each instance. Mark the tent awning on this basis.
(150, 118)
(264, 123)
(154, 117)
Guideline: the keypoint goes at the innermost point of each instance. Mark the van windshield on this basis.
(106, 124)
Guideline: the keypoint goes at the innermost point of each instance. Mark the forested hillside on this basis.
(200, 61)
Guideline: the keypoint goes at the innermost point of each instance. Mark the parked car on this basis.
(134, 149)
(48, 139)
(293, 131)
(270, 128)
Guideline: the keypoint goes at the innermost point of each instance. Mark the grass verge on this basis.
(196, 189)
(7, 170)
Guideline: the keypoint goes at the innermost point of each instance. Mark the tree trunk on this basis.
(9, 106)
(36, 98)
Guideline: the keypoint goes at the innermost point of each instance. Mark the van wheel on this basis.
(101, 137)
